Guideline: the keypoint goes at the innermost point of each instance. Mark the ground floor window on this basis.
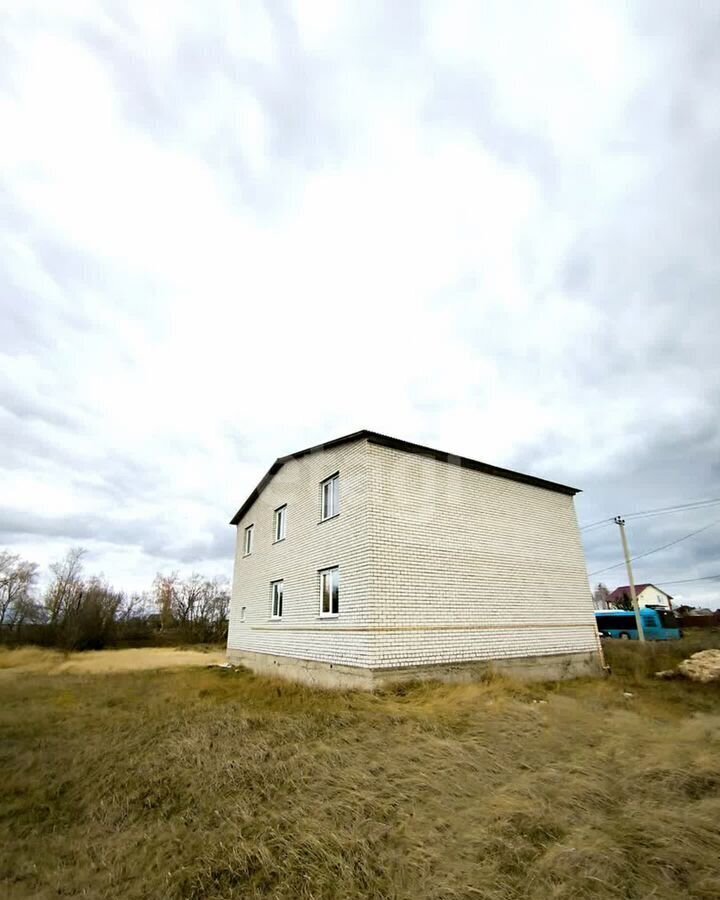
(276, 594)
(330, 592)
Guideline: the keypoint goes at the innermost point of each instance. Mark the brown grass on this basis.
(209, 784)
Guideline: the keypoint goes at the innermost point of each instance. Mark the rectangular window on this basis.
(330, 497)
(276, 593)
(330, 592)
(280, 523)
(248, 540)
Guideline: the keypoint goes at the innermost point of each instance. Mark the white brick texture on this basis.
(438, 564)
(310, 546)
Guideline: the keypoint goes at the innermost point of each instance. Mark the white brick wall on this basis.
(470, 566)
(310, 545)
(437, 564)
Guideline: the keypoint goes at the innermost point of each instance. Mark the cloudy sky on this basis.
(229, 230)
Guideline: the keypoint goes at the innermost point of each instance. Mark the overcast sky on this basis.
(232, 230)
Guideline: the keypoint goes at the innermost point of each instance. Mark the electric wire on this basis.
(647, 513)
(688, 580)
(657, 549)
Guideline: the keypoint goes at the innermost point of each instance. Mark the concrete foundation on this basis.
(555, 667)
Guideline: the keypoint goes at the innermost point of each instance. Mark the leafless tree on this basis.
(600, 596)
(64, 593)
(164, 592)
(80, 612)
(136, 606)
(17, 584)
(212, 602)
(197, 606)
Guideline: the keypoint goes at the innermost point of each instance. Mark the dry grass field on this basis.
(209, 784)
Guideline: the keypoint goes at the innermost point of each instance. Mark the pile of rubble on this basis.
(703, 666)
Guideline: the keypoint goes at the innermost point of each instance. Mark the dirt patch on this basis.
(31, 659)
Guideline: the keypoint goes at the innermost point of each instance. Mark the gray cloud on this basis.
(18, 404)
(158, 539)
(138, 381)
(466, 100)
(664, 469)
(162, 98)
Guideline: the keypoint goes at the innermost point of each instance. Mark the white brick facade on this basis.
(438, 563)
(310, 546)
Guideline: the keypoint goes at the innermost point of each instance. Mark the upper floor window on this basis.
(276, 595)
(280, 523)
(330, 497)
(330, 592)
(248, 545)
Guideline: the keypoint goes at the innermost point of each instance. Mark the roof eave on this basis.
(280, 462)
(468, 463)
(384, 440)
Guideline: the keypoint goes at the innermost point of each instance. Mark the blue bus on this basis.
(658, 624)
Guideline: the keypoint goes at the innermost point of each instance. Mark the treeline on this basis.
(79, 612)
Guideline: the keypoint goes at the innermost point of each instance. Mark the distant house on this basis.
(369, 558)
(647, 595)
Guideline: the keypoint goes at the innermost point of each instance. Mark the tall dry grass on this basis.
(213, 784)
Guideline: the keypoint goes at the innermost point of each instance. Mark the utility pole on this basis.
(621, 523)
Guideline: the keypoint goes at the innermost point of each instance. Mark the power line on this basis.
(700, 504)
(644, 513)
(595, 524)
(657, 549)
(688, 580)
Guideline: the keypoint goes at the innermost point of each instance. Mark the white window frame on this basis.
(328, 575)
(277, 596)
(332, 486)
(280, 523)
(248, 540)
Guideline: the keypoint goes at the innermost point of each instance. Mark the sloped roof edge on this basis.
(384, 440)
(639, 588)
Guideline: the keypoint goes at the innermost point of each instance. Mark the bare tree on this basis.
(164, 592)
(600, 597)
(64, 594)
(197, 606)
(624, 601)
(79, 612)
(212, 602)
(134, 607)
(17, 583)
(90, 623)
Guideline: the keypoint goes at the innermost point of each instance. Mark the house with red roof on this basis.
(647, 595)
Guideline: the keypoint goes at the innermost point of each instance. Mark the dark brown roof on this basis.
(624, 590)
(396, 444)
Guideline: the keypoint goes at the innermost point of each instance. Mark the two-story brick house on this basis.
(369, 558)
